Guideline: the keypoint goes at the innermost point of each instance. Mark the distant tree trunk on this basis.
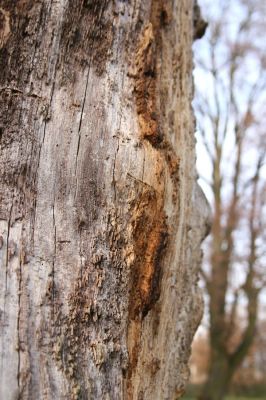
(219, 378)
(99, 220)
(235, 263)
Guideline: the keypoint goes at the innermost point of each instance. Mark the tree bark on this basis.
(100, 216)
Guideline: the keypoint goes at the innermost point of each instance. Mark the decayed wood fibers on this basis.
(100, 233)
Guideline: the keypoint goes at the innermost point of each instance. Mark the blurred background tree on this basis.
(230, 79)
(249, 378)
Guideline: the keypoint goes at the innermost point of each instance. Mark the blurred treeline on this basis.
(230, 98)
(249, 379)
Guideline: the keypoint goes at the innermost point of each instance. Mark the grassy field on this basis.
(231, 398)
(245, 398)
(257, 392)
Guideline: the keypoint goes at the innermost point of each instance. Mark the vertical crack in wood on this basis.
(80, 122)
(53, 265)
(118, 143)
(19, 314)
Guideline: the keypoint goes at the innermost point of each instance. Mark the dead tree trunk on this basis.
(99, 220)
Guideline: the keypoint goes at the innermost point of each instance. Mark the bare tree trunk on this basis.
(219, 377)
(99, 219)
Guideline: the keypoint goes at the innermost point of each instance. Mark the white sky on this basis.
(204, 83)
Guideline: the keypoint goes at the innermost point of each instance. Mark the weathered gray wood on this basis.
(100, 219)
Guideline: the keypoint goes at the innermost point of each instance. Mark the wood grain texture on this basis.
(100, 217)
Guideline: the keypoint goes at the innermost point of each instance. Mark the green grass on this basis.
(230, 398)
(244, 398)
(255, 392)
